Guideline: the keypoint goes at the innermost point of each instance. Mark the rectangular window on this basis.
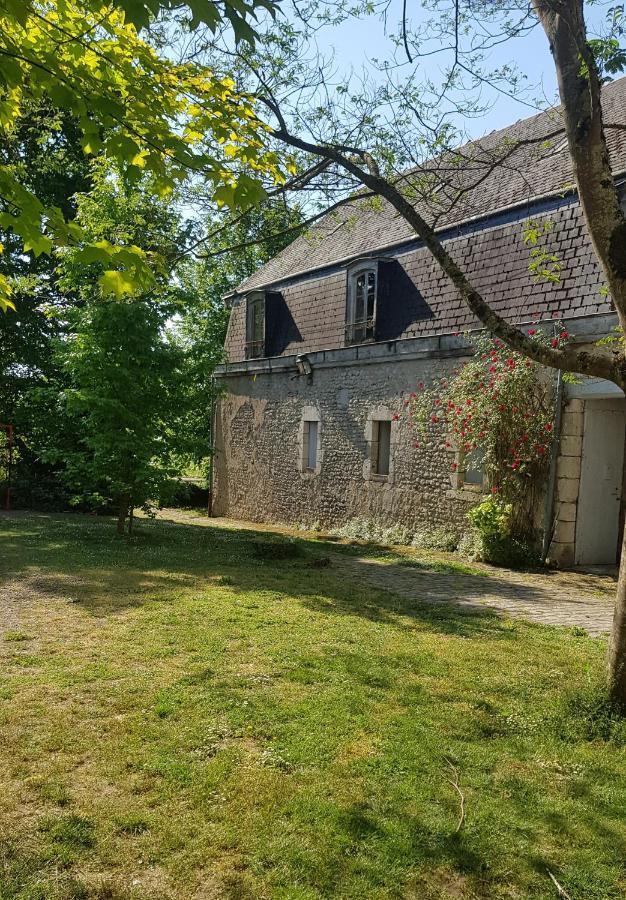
(381, 447)
(473, 468)
(361, 306)
(311, 431)
(255, 325)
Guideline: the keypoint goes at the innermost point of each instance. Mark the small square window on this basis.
(473, 468)
(311, 435)
(381, 447)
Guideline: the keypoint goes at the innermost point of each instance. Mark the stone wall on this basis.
(258, 468)
(568, 465)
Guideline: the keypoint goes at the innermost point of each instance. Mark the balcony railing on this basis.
(360, 332)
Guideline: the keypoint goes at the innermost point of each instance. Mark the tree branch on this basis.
(569, 359)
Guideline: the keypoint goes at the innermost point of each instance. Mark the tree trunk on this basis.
(121, 515)
(617, 644)
(581, 98)
(131, 519)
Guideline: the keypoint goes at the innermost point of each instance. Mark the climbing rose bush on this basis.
(495, 403)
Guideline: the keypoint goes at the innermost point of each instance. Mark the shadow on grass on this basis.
(80, 559)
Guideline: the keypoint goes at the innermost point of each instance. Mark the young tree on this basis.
(125, 393)
(363, 139)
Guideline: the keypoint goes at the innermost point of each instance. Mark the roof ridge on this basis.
(546, 177)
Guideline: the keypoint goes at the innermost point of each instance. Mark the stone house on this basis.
(327, 339)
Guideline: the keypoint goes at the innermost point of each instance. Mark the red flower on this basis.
(416, 444)
(448, 444)
(541, 450)
(554, 342)
(564, 335)
(421, 385)
(494, 490)
(548, 426)
(492, 368)
(395, 417)
(468, 402)
(413, 395)
(531, 331)
(434, 418)
(437, 401)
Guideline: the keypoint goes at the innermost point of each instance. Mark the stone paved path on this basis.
(551, 598)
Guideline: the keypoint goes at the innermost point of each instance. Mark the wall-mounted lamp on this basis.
(304, 367)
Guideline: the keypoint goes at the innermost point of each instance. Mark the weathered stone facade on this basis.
(259, 465)
(259, 473)
(335, 355)
(568, 462)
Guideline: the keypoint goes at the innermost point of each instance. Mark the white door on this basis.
(597, 520)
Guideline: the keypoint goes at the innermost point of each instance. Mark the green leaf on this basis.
(119, 284)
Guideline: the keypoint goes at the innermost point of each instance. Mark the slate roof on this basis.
(499, 171)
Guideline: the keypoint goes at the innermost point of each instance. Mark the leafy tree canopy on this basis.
(134, 106)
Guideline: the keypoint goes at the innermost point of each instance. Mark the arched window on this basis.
(361, 302)
(255, 324)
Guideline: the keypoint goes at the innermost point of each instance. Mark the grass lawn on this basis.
(188, 714)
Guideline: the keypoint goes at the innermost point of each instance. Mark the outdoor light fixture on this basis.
(304, 367)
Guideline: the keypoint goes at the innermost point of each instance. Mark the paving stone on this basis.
(566, 598)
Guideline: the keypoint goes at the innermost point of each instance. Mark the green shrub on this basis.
(490, 538)
(373, 533)
(438, 539)
(471, 545)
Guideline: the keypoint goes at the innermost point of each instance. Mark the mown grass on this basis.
(185, 715)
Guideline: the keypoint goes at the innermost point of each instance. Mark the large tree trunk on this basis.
(617, 645)
(581, 97)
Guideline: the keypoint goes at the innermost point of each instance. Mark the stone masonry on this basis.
(259, 436)
(568, 466)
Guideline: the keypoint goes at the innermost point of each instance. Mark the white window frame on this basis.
(369, 322)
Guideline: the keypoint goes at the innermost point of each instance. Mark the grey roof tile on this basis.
(532, 171)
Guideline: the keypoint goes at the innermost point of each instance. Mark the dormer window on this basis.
(255, 324)
(361, 302)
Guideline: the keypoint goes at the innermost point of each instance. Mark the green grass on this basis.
(186, 716)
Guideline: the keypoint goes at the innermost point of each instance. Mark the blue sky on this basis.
(356, 41)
